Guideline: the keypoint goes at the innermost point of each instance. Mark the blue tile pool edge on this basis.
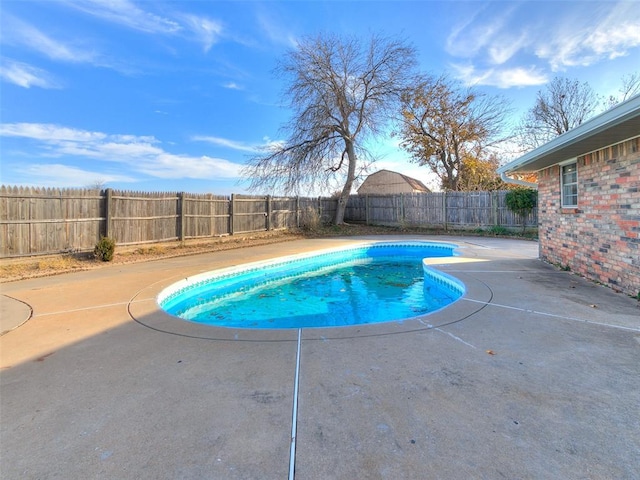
(443, 279)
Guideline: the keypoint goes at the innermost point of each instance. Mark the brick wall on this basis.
(601, 238)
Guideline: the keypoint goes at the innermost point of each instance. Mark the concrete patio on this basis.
(534, 374)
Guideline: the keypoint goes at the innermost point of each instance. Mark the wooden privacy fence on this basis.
(454, 210)
(40, 221)
(35, 221)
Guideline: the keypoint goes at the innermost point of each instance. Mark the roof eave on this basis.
(616, 125)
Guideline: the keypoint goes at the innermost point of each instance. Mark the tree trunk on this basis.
(346, 190)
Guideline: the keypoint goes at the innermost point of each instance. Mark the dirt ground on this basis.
(31, 267)
(13, 269)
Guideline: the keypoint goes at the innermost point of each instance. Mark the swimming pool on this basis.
(360, 284)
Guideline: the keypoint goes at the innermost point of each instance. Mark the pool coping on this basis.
(144, 305)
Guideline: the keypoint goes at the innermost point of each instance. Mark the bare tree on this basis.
(563, 105)
(445, 125)
(630, 87)
(341, 90)
(97, 184)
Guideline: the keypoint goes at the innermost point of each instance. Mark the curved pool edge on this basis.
(189, 289)
(145, 311)
(201, 278)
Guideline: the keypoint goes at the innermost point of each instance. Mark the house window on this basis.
(569, 183)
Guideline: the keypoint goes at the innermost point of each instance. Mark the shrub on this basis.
(522, 201)
(310, 220)
(104, 249)
(498, 230)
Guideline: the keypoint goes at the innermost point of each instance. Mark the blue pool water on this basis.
(374, 283)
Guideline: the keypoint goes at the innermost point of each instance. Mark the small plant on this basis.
(104, 249)
(310, 220)
(498, 230)
(522, 201)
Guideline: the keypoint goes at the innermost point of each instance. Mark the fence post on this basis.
(231, 209)
(444, 210)
(494, 207)
(107, 212)
(366, 209)
(181, 216)
(211, 218)
(402, 209)
(268, 223)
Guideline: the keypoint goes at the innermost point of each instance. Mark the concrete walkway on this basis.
(534, 374)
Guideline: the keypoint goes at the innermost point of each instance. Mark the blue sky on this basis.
(174, 96)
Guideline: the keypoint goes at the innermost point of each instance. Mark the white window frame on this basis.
(564, 203)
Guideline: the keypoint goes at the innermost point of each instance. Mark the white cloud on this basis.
(518, 77)
(49, 132)
(126, 13)
(26, 76)
(615, 34)
(577, 34)
(274, 31)
(480, 32)
(203, 30)
(617, 42)
(267, 144)
(17, 32)
(500, 77)
(206, 30)
(183, 166)
(58, 175)
(226, 143)
(109, 150)
(139, 153)
(233, 86)
(505, 48)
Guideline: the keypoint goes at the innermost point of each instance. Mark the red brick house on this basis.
(589, 197)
